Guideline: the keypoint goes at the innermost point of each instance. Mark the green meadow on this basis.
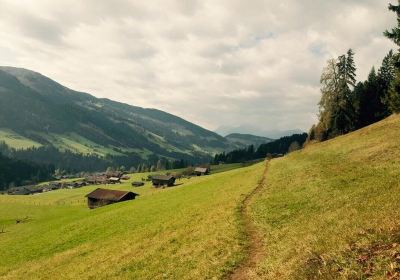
(15, 140)
(329, 211)
(191, 231)
(332, 210)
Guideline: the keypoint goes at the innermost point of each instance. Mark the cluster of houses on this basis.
(101, 197)
(26, 190)
(96, 179)
(113, 177)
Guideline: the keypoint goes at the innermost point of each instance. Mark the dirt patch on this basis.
(255, 250)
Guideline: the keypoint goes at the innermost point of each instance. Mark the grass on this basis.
(16, 141)
(163, 234)
(331, 211)
(224, 167)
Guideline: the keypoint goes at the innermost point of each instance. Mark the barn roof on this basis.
(114, 179)
(201, 169)
(162, 177)
(105, 194)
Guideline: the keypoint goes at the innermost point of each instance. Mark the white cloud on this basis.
(216, 63)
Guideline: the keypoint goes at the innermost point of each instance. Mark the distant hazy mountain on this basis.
(36, 111)
(245, 140)
(253, 130)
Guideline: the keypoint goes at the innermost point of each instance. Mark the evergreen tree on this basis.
(338, 105)
(132, 170)
(387, 72)
(392, 99)
(370, 95)
(160, 165)
(394, 34)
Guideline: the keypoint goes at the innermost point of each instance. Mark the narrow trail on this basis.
(255, 248)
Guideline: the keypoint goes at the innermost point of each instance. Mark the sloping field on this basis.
(332, 211)
(15, 140)
(190, 231)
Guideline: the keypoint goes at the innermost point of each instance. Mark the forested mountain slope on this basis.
(36, 111)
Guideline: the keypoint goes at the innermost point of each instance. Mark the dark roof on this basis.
(162, 177)
(105, 194)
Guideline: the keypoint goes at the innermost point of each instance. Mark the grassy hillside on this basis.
(16, 141)
(332, 210)
(163, 234)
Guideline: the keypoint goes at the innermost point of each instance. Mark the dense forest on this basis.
(72, 163)
(15, 172)
(347, 105)
(278, 147)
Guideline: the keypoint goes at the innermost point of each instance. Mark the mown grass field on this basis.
(15, 140)
(332, 210)
(190, 231)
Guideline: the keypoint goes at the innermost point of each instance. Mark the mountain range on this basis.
(245, 140)
(225, 130)
(36, 111)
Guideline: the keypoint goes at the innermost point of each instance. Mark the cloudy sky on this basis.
(218, 63)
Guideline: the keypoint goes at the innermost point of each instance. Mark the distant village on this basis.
(107, 178)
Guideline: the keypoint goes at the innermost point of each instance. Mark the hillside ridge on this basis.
(40, 110)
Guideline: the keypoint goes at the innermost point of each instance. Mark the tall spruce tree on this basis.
(338, 103)
(370, 94)
(387, 72)
(392, 99)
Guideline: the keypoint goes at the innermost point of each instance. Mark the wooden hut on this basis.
(101, 197)
(114, 180)
(200, 171)
(163, 180)
(137, 184)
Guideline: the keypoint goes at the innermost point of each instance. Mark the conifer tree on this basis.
(392, 99)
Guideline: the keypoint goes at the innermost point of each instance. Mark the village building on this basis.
(24, 190)
(200, 171)
(114, 180)
(163, 180)
(96, 180)
(137, 184)
(117, 174)
(125, 177)
(101, 197)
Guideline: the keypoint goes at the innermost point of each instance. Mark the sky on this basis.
(223, 64)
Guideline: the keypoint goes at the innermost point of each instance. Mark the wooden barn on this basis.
(137, 184)
(163, 180)
(114, 180)
(101, 197)
(200, 171)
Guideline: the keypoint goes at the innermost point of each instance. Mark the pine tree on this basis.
(370, 94)
(160, 165)
(387, 72)
(392, 99)
(394, 34)
(386, 76)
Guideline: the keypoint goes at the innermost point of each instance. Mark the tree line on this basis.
(346, 105)
(67, 162)
(15, 172)
(272, 149)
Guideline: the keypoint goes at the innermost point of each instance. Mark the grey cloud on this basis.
(222, 62)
